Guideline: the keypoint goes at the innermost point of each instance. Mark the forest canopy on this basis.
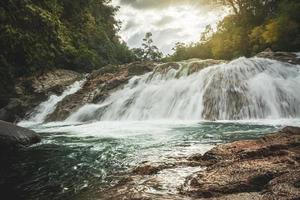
(251, 27)
(40, 34)
(80, 35)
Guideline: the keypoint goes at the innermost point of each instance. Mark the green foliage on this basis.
(76, 34)
(252, 27)
(148, 51)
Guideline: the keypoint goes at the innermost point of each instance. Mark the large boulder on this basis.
(31, 91)
(12, 137)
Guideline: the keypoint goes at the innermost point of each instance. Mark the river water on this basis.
(77, 161)
(156, 117)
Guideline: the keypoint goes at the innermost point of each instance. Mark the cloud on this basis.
(129, 25)
(164, 20)
(135, 39)
(161, 4)
(170, 21)
(164, 39)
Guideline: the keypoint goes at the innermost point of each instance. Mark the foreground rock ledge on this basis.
(13, 137)
(266, 168)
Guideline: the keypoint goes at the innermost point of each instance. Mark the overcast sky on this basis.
(170, 21)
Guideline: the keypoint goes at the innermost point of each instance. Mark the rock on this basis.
(184, 68)
(54, 81)
(265, 168)
(250, 166)
(99, 85)
(12, 137)
(31, 91)
(151, 168)
(286, 186)
(195, 65)
(280, 56)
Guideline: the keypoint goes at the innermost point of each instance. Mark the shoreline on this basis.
(264, 168)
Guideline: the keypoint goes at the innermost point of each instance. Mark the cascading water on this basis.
(242, 89)
(44, 109)
(123, 131)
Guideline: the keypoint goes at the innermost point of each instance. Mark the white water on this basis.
(44, 109)
(244, 89)
(253, 88)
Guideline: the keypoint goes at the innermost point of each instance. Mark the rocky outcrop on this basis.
(99, 84)
(280, 56)
(266, 168)
(184, 68)
(253, 166)
(31, 91)
(12, 137)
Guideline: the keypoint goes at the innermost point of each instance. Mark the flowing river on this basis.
(155, 117)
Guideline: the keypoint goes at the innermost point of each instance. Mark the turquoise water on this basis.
(75, 160)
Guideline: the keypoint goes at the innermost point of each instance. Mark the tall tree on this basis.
(148, 51)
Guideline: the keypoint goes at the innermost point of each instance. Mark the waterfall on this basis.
(245, 88)
(44, 109)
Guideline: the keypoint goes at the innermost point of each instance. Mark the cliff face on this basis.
(266, 168)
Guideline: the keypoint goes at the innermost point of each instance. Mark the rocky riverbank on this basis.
(266, 168)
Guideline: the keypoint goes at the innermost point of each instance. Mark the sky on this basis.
(170, 21)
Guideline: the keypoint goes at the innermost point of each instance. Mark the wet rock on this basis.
(98, 86)
(280, 56)
(166, 67)
(54, 81)
(265, 168)
(12, 137)
(152, 168)
(31, 91)
(249, 166)
(184, 68)
(195, 65)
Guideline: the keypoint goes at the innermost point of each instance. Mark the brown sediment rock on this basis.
(265, 168)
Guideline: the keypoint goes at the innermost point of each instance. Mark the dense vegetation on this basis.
(40, 34)
(251, 27)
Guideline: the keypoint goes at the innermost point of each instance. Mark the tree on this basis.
(148, 51)
(206, 34)
(37, 35)
(252, 26)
